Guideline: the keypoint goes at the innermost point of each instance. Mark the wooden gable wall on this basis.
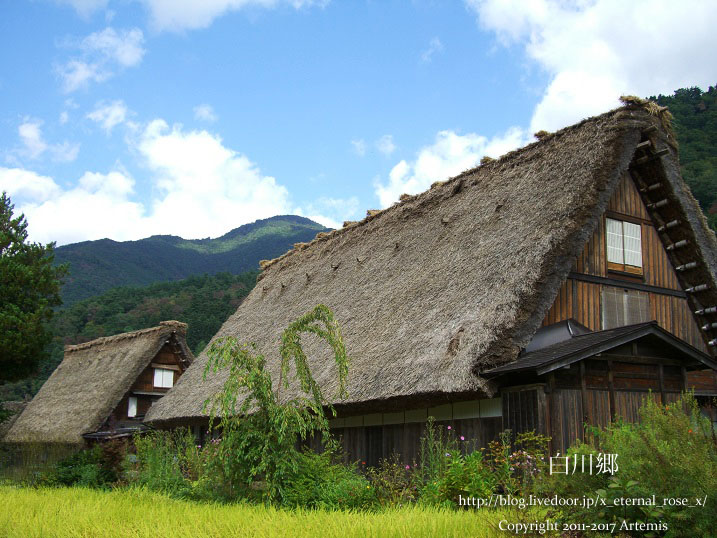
(580, 295)
(143, 388)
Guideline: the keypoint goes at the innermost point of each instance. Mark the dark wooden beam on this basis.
(584, 398)
(640, 360)
(661, 374)
(611, 388)
(626, 284)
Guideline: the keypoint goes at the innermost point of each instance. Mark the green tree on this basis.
(29, 289)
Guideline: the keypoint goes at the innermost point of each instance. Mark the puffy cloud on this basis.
(205, 112)
(197, 175)
(109, 115)
(178, 15)
(34, 145)
(594, 51)
(97, 207)
(385, 145)
(199, 188)
(102, 52)
(28, 185)
(64, 117)
(434, 46)
(359, 147)
(450, 154)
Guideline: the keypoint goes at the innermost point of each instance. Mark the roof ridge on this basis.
(405, 198)
(177, 325)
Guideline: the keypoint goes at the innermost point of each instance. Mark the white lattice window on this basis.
(622, 307)
(624, 246)
(163, 378)
(132, 407)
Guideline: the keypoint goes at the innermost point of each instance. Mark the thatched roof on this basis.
(451, 282)
(90, 382)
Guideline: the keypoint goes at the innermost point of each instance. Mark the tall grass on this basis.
(137, 513)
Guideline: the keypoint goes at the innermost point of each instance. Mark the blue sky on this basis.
(131, 118)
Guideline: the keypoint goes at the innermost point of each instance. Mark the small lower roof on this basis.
(580, 347)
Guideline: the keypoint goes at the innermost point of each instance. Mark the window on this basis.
(624, 307)
(624, 246)
(163, 378)
(132, 407)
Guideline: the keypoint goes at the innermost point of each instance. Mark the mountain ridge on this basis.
(99, 265)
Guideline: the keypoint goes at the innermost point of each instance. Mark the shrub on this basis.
(320, 482)
(165, 461)
(393, 482)
(670, 453)
(85, 468)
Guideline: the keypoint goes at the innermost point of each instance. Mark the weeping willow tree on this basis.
(259, 431)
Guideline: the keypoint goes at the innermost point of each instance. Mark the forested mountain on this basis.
(695, 123)
(97, 266)
(203, 302)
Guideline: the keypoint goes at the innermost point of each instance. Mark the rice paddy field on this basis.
(80, 513)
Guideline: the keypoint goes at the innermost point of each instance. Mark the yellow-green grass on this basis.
(80, 512)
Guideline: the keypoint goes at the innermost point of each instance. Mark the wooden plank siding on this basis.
(581, 300)
(367, 445)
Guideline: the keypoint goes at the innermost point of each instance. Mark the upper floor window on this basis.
(624, 246)
(163, 378)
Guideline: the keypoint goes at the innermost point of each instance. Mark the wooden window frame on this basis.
(623, 269)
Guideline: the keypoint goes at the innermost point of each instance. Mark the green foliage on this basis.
(320, 482)
(96, 467)
(695, 123)
(29, 289)
(98, 266)
(165, 461)
(671, 453)
(259, 430)
(203, 302)
(393, 482)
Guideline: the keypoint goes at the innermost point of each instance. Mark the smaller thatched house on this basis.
(103, 388)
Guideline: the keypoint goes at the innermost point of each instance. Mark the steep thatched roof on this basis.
(90, 382)
(451, 282)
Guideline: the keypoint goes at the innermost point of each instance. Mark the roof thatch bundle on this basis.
(89, 383)
(449, 283)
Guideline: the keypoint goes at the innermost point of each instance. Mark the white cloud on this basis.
(31, 136)
(434, 46)
(331, 212)
(65, 152)
(64, 117)
(85, 8)
(124, 47)
(205, 112)
(109, 115)
(178, 15)
(199, 188)
(34, 144)
(102, 52)
(359, 147)
(25, 184)
(595, 51)
(385, 145)
(449, 155)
